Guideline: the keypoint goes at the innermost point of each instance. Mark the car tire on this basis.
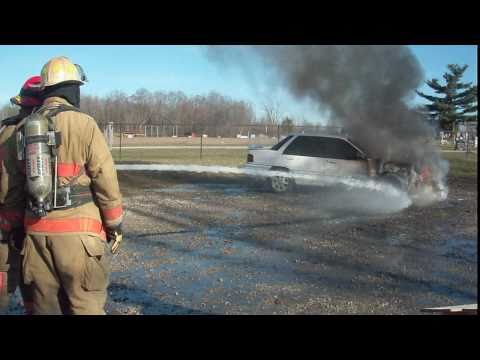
(281, 184)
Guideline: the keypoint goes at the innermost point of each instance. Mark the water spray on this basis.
(350, 182)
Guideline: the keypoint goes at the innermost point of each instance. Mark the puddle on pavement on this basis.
(184, 188)
(459, 248)
(226, 189)
(203, 274)
(16, 304)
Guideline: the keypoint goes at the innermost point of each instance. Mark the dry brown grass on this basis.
(222, 157)
(462, 164)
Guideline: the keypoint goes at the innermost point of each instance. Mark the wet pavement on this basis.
(213, 244)
(224, 245)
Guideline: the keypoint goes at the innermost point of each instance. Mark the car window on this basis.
(280, 144)
(340, 149)
(301, 146)
(323, 147)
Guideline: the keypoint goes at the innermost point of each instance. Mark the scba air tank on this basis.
(38, 163)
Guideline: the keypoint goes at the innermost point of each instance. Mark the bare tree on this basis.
(213, 114)
(272, 111)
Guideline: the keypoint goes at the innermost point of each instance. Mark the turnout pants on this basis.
(69, 273)
(11, 278)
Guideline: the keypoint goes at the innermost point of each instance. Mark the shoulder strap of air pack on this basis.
(13, 120)
(54, 111)
(51, 111)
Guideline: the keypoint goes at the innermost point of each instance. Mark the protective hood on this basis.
(69, 92)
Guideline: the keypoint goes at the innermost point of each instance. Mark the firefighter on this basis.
(12, 199)
(68, 249)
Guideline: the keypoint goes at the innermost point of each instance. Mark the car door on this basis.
(345, 159)
(302, 156)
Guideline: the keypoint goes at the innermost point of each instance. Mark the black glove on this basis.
(16, 237)
(114, 237)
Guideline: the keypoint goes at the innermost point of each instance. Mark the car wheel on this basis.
(280, 184)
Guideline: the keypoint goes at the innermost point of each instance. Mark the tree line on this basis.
(213, 114)
(193, 113)
(157, 108)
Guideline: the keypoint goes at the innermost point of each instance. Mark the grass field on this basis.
(447, 147)
(222, 157)
(462, 164)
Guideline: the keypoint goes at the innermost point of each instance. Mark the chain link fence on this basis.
(121, 136)
(222, 131)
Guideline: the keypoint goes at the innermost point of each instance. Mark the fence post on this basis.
(121, 137)
(110, 135)
(466, 141)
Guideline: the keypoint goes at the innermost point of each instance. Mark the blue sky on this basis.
(185, 68)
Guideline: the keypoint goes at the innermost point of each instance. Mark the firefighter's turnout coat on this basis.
(12, 208)
(84, 160)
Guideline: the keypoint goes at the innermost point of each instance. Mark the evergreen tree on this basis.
(458, 100)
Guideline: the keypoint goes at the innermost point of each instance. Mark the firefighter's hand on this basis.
(114, 238)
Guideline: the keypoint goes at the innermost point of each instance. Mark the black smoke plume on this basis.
(365, 88)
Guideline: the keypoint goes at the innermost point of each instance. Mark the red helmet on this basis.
(29, 94)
